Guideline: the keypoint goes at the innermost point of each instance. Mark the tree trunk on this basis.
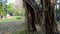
(49, 25)
(30, 17)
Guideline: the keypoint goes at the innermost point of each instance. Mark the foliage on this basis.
(0, 7)
(9, 9)
(15, 11)
(22, 12)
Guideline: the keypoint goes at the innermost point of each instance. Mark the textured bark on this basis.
(40, 13)
(30, 17)
(45, 16)
(49, 25)
(37, 10)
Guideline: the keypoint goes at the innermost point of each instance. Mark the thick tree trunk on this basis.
(37, 11)
(49, 25)
(30, 17)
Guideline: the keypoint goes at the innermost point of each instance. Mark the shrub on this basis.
(18, 17)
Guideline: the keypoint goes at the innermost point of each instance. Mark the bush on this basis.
(18, 17)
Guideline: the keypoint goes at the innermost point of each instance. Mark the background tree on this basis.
(0, 9)
(10, 9)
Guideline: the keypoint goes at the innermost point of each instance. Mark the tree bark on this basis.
(30, 17)
(49, 25)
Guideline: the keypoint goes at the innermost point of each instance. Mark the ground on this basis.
(10, 27)
(17, 26)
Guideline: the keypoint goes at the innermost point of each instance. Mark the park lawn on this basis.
(12, 19)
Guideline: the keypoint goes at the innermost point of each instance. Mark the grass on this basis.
(14, 18)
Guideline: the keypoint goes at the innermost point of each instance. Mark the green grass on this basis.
(14, 18)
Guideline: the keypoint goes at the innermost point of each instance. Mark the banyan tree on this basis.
(43, 14)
